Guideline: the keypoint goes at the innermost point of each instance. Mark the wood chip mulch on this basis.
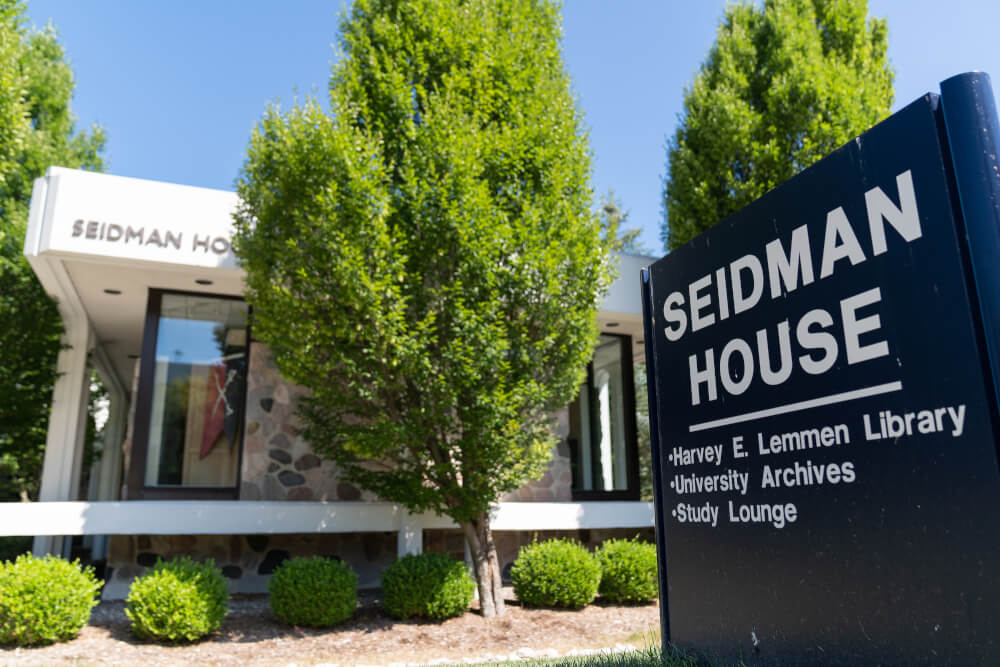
(252, 635)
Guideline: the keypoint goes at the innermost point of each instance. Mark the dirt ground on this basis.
(252, 635)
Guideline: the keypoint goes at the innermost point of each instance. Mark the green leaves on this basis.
(430, 585)
(44, 600)
(628, 570)
(555, 573)
(783, 85)
(180, 600)
(36, 131)
(424, 259)
(317, 592)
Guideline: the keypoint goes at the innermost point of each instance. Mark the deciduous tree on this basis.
(785, 83)
(424, 258)
(36, 131)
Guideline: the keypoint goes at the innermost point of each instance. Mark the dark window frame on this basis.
(631, 428)
(136, 478)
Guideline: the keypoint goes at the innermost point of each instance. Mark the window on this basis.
(190, 411)
(602, 426)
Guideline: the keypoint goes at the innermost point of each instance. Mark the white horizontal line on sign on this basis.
(864, 392)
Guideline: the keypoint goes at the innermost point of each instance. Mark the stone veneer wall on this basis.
(278, 464)
(247, 561)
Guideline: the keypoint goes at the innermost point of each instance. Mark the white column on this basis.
(67, 428)
(602, 378)
(411, 535)
(110, 470)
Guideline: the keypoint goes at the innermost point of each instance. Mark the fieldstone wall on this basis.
(278, 464)
(247, 561)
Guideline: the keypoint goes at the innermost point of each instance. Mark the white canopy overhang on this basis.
(98, 243)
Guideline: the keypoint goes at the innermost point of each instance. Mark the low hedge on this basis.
(179, 600)
(431, 585)
(317, 592)
(44, 600)
(628, 570)
(555, 573)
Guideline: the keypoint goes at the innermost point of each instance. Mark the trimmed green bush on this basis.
(430, 585)
(555, 573)
(317, 592)
(628, 570)
(179, 600)
(44, 600)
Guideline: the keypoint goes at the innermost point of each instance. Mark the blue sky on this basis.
(178, 85)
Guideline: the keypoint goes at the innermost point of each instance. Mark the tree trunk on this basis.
(484, 557)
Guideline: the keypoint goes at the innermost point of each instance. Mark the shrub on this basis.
(317, 592)
(44, 600)
(180, 600)
(556, 573)
(431, 585)
(628, 570)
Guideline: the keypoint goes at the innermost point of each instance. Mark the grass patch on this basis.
(650, 656)
(644, 639)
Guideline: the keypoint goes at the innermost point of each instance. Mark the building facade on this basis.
(201, 453)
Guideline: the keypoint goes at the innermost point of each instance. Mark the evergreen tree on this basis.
(36, 131)
(784, 84)
(613, 218)
(424, 259)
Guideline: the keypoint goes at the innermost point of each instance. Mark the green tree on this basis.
(424, 258)
(36, 131)
(784, 84)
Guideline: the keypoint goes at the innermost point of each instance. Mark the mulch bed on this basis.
(252, 635)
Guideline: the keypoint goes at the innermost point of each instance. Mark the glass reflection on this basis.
(198, 387)
(597, 423)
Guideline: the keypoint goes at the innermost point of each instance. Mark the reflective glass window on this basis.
(199, 380)
(602, 422)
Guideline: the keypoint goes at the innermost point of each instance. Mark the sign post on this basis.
(825, 424)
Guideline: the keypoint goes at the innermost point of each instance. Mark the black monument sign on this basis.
(825, 416)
